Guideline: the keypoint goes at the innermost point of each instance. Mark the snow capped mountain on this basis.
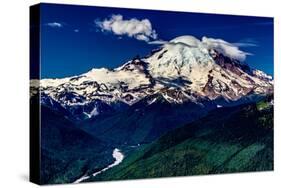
(207, 69)
(262, 75)
(184, 69)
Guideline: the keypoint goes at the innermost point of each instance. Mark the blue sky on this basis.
(76, 39)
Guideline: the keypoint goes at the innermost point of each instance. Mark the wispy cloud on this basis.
(158, 42)
(55, 24)
(138, 29)
(248, 42)
(241, 44)
(67, 26)
(226, 48)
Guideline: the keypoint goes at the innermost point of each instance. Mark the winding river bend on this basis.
(117, 155)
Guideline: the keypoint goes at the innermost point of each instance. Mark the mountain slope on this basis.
(144, 121)
(228, 140)
(68, 152)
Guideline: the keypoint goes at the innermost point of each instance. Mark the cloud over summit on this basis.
(228, 49)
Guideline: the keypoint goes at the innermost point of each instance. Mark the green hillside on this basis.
(228, 140)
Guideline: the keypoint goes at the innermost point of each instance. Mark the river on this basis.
(116, 154)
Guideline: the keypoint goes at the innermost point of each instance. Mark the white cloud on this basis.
(158, 42)
(55, 24)
(245, 44)
(76, 30)
(142, 37)
(226, 48)
(138, 29)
